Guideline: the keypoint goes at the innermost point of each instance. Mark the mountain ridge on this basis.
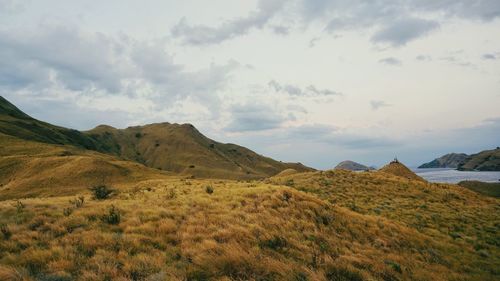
(450, 160)
(178, 148)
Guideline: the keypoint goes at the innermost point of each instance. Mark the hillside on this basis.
(169, 147)
(334, 225)
(486, 188)
(352, 166)
(398, 169)
(16, 123)
(488, 160)
(181, 148)
(34, 169)
(451, 160)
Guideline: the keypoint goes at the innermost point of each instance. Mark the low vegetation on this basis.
(326, 226)
(486, 188)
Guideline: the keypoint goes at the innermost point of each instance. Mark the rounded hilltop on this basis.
(399, 169)
(352, 166)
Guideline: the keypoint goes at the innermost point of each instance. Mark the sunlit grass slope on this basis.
(181, 229)
(30, 169)
(441, 212)
(181, 148)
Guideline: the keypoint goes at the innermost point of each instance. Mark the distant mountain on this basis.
(451, 160)
(399, 169)
(488, 160)
(352, 166)
(169, 147)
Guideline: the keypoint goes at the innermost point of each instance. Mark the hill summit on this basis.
(399, 169)
(178, 148)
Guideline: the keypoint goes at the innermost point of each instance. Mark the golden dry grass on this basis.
(172, 229)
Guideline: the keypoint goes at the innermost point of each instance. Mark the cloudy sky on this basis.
(315, 81)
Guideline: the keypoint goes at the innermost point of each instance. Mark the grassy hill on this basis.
(487, 188)
(169, 147)
(334, 225)
(398, 169)
(34, 169)
(181, 148)
(451, 160)
(488, 160)
(16, 123)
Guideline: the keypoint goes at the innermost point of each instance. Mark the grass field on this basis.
(309, 226)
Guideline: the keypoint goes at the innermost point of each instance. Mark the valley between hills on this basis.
(164, 202)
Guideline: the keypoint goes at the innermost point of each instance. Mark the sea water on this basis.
(453, 176)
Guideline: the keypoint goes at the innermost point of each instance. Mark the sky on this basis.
(310, 81)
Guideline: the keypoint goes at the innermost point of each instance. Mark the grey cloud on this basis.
(402, 31)
(204, 35)
(377, 104)
(489, 57)
(256, 117)
(57, 56)
(281, 30)
(391, 61)
(295, 91)
(423, 58)
(364, 142)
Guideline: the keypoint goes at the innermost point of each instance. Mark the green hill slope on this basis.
(16, 123)
(488, 160)
(451, 160)
(169, 147)
(181, 148)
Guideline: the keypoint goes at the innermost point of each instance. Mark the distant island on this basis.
(487, 160)
(451, 160)
(352, 166)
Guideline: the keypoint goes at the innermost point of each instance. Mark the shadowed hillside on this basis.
(183, 149)
(16, 123)
(451, 160)
(488, 160)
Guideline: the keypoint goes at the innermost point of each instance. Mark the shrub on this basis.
(286, 196)
(113, 216)
(209, 189)
(333, 273)
(19, 206)
(78, 202)
(101, 192)
(67, 211)
(5, 232)
(275, 243)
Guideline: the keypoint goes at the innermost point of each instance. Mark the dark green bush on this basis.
(334, 273)
(209, 189)
(101, 192)
(113, 216)
(275, 243)
(5, 232)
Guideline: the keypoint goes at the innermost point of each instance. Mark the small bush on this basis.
(113, 216)
(209, 189)
(20, 206)
(5, 232)
(342, 274)
(275, 243)
(78, 202)
(67, 211)
(101, 192)
(286, 196)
